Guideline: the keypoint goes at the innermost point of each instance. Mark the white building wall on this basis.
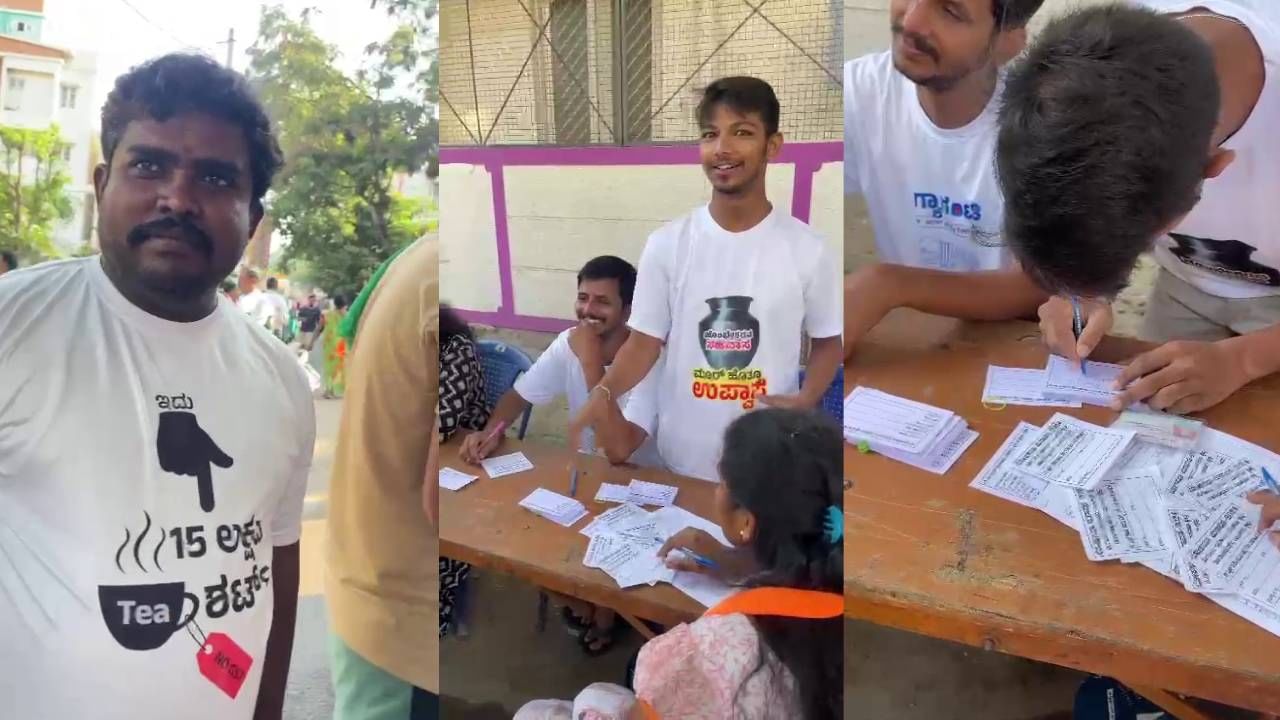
(560, 217)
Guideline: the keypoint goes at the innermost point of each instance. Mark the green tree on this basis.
(344, 141)
(33, 181)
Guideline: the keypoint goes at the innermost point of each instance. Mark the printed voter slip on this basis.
(451, 479)
(1173, 431)
(1019, 386)
(1072, 452)
(557, 508)
(647, 493)
(509, 464)
(1064, 381)
(609, 492)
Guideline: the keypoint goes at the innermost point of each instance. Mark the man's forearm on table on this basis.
(1260, 352)
(634, 360)
(985, 295)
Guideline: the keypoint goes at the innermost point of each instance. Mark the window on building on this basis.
(66, 152)
(13, 95)
(68, 96)
(21, 26)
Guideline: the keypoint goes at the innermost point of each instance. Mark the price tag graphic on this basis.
(224, 663)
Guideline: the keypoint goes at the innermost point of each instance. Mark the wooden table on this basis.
(926, 553)
(483, 524)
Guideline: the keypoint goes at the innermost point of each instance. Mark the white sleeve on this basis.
(823, 306)
(544, 382)
(651, 302)
(852, 181)
(641, 405)
(286, 523)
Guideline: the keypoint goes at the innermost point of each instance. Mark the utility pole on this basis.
(230, 42)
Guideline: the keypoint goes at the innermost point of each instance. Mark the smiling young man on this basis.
(1129, 129)
(575, 361)
(150, 507)
(920, 130)
(728, 291)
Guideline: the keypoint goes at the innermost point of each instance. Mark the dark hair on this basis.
(608, 267)
(785, 467)
(1105, 127)
(10, 259)
(340, 301)
(452, 325)
(744, 95)
(182, 83)
(1014, 14)
(272, 283)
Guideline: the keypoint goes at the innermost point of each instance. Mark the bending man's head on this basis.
(1106, 128)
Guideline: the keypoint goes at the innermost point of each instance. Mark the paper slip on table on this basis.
(928, 554)
(483, 524)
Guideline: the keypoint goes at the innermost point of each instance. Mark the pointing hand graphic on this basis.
(184, 448)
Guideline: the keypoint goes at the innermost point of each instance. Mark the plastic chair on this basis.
(833, 399)
(502, 364)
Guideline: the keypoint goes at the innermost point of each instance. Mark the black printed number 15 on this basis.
(190, 541)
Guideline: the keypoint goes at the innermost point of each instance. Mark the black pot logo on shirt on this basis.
(184, 448)
(729, 334)
(1231, 259)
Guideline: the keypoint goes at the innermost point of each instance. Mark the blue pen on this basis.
(573, 484)
(1270, 481)
(701, 561)
(1077, 326)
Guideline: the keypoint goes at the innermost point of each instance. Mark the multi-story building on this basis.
(41, 85)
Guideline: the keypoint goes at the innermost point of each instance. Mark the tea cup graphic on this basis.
(143, 617)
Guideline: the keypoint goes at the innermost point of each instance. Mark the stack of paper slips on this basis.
(555, 507)
(1182, 513)
(638, 492)
(917, 434)
(625, 541)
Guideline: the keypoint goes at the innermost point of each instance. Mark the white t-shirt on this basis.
(557, 372)
(931, 192)
(144, 481)
(731, 308)
(254, 304)
(1229, 246)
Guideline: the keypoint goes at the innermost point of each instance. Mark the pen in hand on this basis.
(1077, 327)
(700, 560)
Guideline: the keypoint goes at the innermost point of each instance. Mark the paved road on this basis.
(310, 695)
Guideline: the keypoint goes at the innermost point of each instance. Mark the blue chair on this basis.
(502, 364)
(833, 399)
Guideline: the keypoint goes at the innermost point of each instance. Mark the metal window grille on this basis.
(621, 72)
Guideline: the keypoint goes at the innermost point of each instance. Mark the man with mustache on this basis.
(920, 129)
(150, 502)
(575, 361)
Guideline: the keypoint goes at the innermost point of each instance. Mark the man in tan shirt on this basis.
(383, 585)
